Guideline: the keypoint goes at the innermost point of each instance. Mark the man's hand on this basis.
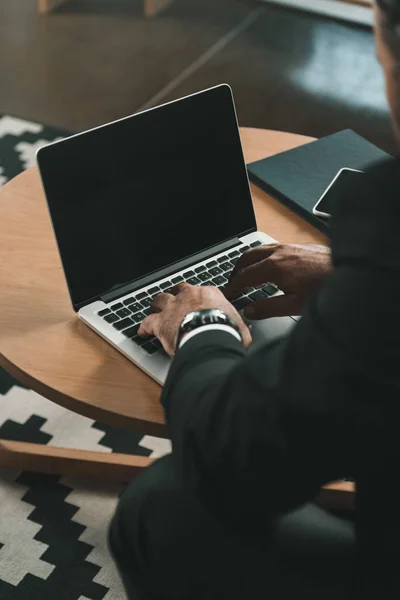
(298, 270)
(169, 310)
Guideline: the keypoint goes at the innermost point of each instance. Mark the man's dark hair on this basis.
(392, 9)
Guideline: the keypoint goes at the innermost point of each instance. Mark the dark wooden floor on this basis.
(97, 60)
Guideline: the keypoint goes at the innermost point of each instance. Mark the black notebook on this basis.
(298, 177)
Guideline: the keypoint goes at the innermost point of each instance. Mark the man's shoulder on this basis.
(389, 167)
(366, 222)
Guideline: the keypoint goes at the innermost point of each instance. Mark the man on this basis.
(229, 513)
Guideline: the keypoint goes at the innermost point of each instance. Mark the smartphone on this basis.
(338, 186)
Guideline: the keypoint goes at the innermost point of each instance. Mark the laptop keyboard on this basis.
(126, 316)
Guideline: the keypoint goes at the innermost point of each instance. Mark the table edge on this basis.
(82, 408)
(91, 410)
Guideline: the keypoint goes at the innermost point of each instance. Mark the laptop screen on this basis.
(137, 195)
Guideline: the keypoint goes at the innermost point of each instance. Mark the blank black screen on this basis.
(134, 196)
(338, 189)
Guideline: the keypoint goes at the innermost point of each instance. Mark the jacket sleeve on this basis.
(257, 434)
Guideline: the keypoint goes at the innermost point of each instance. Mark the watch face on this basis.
(189, 317)
(206, 317)
(213, 318)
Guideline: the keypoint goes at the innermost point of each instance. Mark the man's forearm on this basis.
(199, 364)
(235, 442)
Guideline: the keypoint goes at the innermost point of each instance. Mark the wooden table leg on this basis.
(339, 495)
(45, 6)
(121, 468)
(23, 456)
(153, 7)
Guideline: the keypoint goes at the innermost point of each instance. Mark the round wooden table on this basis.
(42, 342)
(46, 347)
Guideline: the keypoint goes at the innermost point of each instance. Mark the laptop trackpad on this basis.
(270, 330)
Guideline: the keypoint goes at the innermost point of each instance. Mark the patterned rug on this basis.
(53, 529)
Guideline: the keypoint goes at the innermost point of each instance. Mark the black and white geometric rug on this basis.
(53, 529)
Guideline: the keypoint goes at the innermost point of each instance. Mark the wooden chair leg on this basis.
(41, 458)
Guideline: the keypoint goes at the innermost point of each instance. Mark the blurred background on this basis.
(91, 61)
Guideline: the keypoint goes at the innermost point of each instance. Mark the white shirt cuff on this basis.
(210, 327)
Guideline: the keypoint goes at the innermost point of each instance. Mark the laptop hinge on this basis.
(162, 273)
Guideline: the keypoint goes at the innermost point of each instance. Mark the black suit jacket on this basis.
(256, 435)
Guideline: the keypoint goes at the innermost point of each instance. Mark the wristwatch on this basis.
(199, 318)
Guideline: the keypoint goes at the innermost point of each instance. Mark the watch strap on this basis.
(212, 327)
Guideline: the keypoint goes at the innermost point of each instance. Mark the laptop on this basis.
(149, 201)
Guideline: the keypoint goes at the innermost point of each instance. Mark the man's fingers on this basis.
(159, 302)
(253, 256)
(179, 287)
(149, 326)
(277, 306)
(246, 335)
(250, 276)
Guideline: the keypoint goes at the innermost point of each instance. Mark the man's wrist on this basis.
(209, 316)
